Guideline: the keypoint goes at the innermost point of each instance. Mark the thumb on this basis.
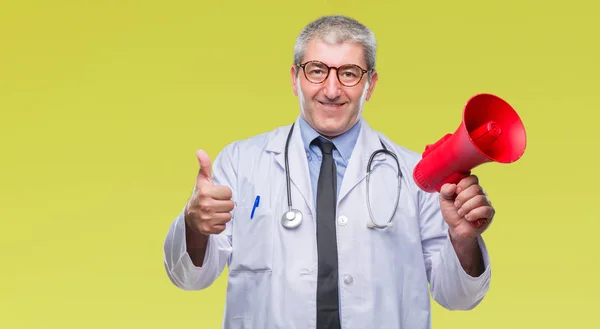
(205, 173)
(448, 193)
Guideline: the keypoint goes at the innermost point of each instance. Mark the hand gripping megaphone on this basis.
(490, 131)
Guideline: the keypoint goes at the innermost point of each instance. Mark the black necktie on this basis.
(327, 285)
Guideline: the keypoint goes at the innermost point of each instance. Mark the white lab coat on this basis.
(384, 274)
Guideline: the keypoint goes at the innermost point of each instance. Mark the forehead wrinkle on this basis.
(351, 53)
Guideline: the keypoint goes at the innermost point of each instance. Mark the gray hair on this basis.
(337, 29)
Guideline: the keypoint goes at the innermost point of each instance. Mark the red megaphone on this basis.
(491, 131)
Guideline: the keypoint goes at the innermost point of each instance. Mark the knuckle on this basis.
(204, 216)
(483, 191)
(205, 228)
(487, 201)
(205, 206)
(479, 189)
(204, 192)
(475, 189)
(190, 212)
(481, 199)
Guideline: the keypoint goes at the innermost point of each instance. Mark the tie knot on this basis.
(325, 146)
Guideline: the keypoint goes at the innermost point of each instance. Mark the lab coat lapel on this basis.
(368, 142)
(298, 163)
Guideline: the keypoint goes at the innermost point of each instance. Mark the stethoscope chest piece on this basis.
(291, 218)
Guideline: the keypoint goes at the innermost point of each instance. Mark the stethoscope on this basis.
(293, 217)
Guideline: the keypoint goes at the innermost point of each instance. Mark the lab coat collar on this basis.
(367, 143)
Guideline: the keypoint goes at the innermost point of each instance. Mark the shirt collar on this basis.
(343, 143)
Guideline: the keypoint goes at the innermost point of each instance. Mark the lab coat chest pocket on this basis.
(252, 239)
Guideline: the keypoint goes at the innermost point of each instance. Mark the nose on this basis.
(332, 88)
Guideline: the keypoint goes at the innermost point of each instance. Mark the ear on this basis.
(293, 71)
(372, 85)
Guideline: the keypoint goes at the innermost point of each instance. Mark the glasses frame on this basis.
(337, 69)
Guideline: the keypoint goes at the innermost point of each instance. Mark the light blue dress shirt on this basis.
(344, 144)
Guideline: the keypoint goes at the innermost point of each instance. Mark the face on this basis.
(330, 107)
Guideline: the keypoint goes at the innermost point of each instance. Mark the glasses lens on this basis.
(316, 72)
(349, 74)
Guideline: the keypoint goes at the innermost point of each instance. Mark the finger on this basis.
(485, 212)
(472, 203)
(466, 182)
(212, 229)
(486, 195)
(208, 224)
(467, 194)
(220, 192)
(221, 218)
(222, 206)
(204, 175)
(448, 192)
(218, 229)
(206, 207)
(217, 192)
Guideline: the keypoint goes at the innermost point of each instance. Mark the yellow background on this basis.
(103, 104)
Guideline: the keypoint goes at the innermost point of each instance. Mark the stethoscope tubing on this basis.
(293, 217)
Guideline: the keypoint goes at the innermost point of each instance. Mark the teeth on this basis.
(331, 104)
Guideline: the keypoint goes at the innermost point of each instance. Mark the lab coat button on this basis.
(343, 220)
(348, 279)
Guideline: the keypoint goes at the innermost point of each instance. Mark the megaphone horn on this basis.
(491, 131)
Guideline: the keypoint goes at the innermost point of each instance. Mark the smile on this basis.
(332, 105)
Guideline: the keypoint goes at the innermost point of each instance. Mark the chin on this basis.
(331, 128)
(331, 124)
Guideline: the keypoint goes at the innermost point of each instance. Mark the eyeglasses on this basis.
(348, 75)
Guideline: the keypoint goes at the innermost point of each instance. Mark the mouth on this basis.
(332, 105)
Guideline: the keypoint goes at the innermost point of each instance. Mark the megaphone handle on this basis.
(455, 178)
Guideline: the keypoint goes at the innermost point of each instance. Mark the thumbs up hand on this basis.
(208, 210)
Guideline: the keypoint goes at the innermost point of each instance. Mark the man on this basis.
(329, 270)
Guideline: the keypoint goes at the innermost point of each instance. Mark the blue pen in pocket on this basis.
(256, 202)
